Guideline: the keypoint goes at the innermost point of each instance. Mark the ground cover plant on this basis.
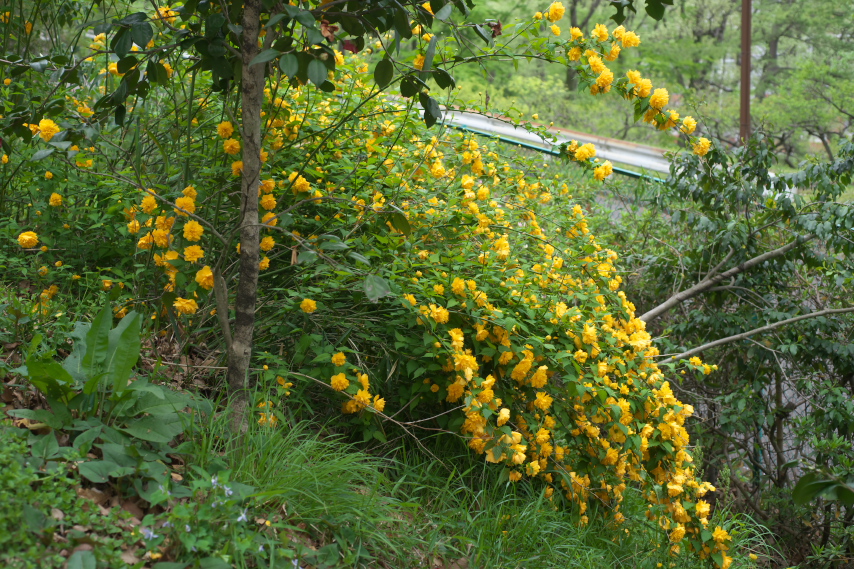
(344, 261)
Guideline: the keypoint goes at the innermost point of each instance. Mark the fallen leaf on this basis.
(84, 547)
(132, 508)
(92, 494)
(129, 558)
(176, 477)
(57, 514)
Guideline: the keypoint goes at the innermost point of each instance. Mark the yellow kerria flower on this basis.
(308, 306)
(193, 253)
(193, 230)
(231, 146)
(555, 12)
(701, 148)
(339, 359)
(339, 382)
(47, 129)
(205, 278)
(28, 239)
(225, 129)
(185, 305)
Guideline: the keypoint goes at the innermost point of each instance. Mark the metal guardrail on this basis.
(453, 120)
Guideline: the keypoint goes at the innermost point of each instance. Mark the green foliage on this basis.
(90, 394)
(37, 506)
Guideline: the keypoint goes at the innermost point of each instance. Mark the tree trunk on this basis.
(252, 97)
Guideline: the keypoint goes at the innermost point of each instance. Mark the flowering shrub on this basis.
(507, 321)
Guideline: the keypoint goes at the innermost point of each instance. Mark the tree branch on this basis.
(684, 295)
(745, 335)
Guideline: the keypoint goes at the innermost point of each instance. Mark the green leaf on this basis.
(432, 112)
(399, 222)
(84, 559)
(44, 153)
(141, 34)
(383, 73)
(97, 340)
(289, 64)
(156, 429)
(214, 563)
(428, 57)
(265, 56)
(655, 8)
(123, 351)
(443, 79)
(122, 42)
(49, 377)
(275, 20)
(97, 471)
(376, 287)
(485, 35)
(317, 72)
(46, 447)
(445, 12)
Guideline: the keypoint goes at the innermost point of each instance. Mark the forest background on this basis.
(190, 424)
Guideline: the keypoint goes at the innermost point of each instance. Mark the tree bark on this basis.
(252, 97)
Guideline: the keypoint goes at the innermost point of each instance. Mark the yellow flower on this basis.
(701, 148)
(555, 29)
(237, 168)
(231, 146)
(538, 15)
(28, 239)
(267, 243)
(585, 152)
(308, 306)
(339, 359)
(603, 171)
(379, 403)
(659, 99)
(270, 219)
(503, 416)
(630, 39)
(720, 535)
(193, 253)
(149, 204)
(600, 32)
(225, 129)
(688, 125)
(43, 270)
(48, 175)
(48, 129)
(264, 264)
(205, 277)
(339, 382)
(419, 62)
(185, 305)
(268, 202)
(555, 12)
(193, 230)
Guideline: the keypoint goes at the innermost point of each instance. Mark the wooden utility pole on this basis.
(744, 129)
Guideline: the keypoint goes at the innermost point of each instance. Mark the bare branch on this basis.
(749, 333)
(681, 297)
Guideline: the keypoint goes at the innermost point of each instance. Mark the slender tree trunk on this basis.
(252, 97)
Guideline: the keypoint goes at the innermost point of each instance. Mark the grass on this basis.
(411, 509)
